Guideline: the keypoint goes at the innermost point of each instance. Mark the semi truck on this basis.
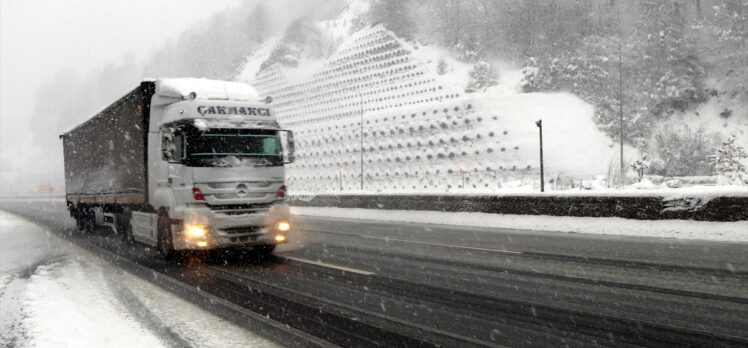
(182, 164)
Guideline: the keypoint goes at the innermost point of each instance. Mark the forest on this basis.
(649, 60)
(669, 66)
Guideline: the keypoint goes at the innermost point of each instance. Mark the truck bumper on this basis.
(230, 231)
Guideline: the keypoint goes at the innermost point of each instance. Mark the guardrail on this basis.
(724, 208)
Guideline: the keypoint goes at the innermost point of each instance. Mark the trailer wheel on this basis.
(165, 241)
(85, 221)
(80, 223)
(125, 227)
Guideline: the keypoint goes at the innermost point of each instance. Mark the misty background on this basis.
(684, 63)
(64, 60)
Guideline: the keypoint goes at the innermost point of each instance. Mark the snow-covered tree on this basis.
(726, 161)
(729, 46)
(532, 77)
(394, 15)
(442, 66)
(681, 150)
(482, 76)
(640, 166)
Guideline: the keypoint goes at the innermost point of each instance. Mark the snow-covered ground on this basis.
(54, 294)
(597, 191)
(680, 229)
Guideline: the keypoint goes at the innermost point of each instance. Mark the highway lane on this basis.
(372, 283)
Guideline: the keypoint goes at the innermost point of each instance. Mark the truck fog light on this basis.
(202, 244)
(284, 226)
(280, 238)
(196, 231)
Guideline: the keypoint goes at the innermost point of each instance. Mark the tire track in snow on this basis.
(169, 336)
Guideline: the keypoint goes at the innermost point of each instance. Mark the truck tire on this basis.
(125, 228)
(85, 221)
(264, 250)
(165, 242)
(80, 223)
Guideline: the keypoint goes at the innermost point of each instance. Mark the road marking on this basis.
(445, 245)
(322, 264)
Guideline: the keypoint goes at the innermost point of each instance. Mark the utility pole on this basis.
(539, 123)
(620, 103)
(620, 97)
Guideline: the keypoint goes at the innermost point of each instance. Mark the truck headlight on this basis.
(284, 226)
(196, 231)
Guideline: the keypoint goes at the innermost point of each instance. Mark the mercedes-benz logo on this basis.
(241, 190)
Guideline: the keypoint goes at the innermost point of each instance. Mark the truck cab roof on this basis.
(203, 88)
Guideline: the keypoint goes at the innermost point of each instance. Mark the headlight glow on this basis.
(196, 231)
(284, 226)
(280, 238)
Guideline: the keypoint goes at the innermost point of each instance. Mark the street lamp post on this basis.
(361, 134)
(620, 108)
(539, 123)
(340, 178)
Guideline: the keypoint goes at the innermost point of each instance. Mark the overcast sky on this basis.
(39, 38)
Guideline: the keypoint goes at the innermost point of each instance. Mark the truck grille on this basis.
(238, 209)
(245, 231)
(242, 234)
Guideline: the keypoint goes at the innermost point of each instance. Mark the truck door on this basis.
(176, 175)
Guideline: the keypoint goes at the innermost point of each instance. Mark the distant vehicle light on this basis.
(284, 226)
(202, 244)
(196, 231)
(197, 194)
(280, 238)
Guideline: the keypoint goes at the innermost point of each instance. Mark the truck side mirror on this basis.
(168, 147)
(287, 146)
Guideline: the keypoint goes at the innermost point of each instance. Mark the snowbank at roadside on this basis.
(679, 229)
(530, 190)
(67, 307)
(77, 299)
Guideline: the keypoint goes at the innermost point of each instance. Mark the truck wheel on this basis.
(165, 241)
(264, 250)
(125, 227)
(80, 223)
(87, 221)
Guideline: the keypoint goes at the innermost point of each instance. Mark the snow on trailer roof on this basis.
(205, 89)
(182, 87)
(102, 109)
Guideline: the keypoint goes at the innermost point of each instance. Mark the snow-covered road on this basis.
(54, 294)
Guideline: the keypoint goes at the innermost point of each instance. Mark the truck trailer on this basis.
(182, 164)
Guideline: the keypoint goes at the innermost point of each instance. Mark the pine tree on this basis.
(726, 161)
(482, 76)
(729, 30)
(681, 150)
(442, 66)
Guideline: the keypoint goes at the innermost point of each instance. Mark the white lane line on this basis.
(445, 245)
(322, 264)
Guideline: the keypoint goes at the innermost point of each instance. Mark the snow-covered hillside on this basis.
(421, 130)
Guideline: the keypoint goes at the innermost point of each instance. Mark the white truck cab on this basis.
(213, 168)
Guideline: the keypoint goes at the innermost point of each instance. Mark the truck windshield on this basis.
(235, 148)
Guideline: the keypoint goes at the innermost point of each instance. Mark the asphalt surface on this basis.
(359, 283)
